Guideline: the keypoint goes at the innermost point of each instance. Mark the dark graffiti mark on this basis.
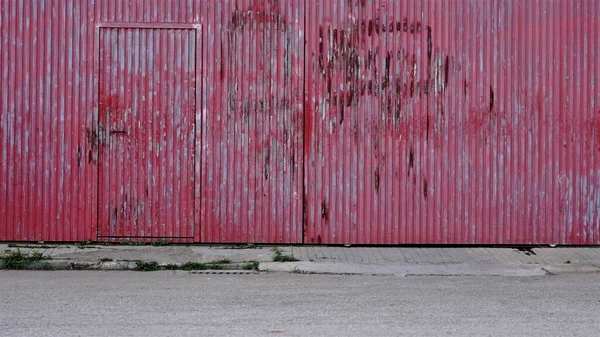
(261, 12)
(287, 60)
(92, 137)
(425, 188)
(78, 156)
(324, 211)
(398, 112)
(222, 59)
(93, 140)
(293, 164)
(376, 26)
(286, 133)
(491, 98)
(338, 46)
(267, 162)
(321, 57)
(411, 159)
(427, 128)
(357, 69)
(377, 180)
(304, 211)
(429, 45)
(386, 74)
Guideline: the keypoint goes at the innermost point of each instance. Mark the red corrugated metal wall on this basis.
(48, 164)
(253, 120)
(453, 122)
(313, 121)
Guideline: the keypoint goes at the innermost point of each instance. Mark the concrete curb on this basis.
(329, 268)
(113, 265)
(402, 270)
(76, 265)
(571, 269)
(218, 272)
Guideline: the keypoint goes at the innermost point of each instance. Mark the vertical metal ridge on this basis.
(3, 117)
(249, 140)
(19, 127)
(583, 195)
(594, 103)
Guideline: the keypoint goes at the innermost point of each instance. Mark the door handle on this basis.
(118, 132)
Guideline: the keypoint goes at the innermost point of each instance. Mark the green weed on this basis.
(279, 257)
(251, 265)
(17, 260)
(146, 265)
(30, 246)
(85, 244)
(161, 242)
(223, 261)
(132, 243)
(201, 266)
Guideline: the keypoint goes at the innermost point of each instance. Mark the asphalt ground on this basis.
(177, 303)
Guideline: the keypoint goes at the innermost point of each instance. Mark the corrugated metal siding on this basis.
(397, 122)
(452, 122)
(48, 185)
(253, 122)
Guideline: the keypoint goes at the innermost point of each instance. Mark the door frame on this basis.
(102, 138)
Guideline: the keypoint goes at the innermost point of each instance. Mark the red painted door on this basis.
(147, 116)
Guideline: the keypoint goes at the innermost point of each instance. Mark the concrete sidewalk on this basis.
(327, 260)
(445, 261)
